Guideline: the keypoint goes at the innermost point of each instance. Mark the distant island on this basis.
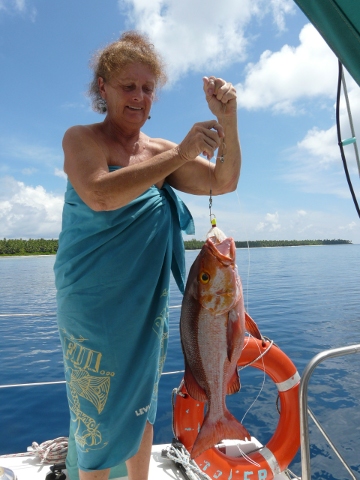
(21, 247)
(41, 246)
(196, 244)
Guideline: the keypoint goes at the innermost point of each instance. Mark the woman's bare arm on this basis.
(87, 166)
(198, 176)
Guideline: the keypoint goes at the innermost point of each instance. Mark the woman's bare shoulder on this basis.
(77, 131)
(85, 138)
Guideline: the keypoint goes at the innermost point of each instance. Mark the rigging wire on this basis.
(340, 142)
(353, 137)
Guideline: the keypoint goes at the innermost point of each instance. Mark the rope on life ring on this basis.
(269, 460)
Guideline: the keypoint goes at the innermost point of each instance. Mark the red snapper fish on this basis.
(212, 330)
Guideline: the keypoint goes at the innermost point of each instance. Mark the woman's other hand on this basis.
(204, 138)
(221, 97)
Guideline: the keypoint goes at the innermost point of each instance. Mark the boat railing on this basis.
(305, 411)
(57, 382)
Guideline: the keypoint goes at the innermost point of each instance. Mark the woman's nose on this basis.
(138, 94)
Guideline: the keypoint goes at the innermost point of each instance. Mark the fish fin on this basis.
(192, 386)
(251, 327)
(233, 332)
(234, 383)
(212, 433)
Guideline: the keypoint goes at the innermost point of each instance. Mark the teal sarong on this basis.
(112, 274)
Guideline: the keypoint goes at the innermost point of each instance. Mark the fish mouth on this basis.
(223, 251)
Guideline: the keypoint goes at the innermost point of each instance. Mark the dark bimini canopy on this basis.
(338, 22)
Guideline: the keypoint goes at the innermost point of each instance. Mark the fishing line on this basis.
(243, 454)
(214, 230)
(210, 193)
(246, 457)
(249, 256)
(264, 376)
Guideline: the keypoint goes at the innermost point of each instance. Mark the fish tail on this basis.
(213, 432)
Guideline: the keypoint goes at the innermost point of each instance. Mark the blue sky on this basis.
(292, 183)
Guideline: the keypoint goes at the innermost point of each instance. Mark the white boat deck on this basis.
(30, 468)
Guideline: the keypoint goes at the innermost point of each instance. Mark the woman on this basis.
(120, 238)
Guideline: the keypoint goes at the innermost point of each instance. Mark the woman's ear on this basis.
(101, 85)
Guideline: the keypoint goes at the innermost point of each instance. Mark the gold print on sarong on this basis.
(161, 330)
(162, 359)
(160, 320)
(93, 388)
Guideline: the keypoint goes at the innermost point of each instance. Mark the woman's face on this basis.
(129, 94)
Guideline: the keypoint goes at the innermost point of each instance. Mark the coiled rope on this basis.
(181, 457)
(50, 451)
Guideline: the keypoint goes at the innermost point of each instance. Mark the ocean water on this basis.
(307, 299)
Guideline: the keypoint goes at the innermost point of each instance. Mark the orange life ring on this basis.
(276, 456)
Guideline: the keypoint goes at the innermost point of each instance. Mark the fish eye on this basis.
(204, 277)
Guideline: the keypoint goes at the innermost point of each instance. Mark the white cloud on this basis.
(14, 147)
(31, 156)
(244, 224)
(18, 7)
(27, 211)
(289, 225)
(349, 227)
(280, 9)
(270, 224)
(315, 163)
(74, 105)
(197, 35)
(60, 173)
(9, 5)
(280, 79)
(323, 144)
(28, 171)
(310, 176)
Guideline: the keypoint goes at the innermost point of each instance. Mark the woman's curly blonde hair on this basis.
(132, 47)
